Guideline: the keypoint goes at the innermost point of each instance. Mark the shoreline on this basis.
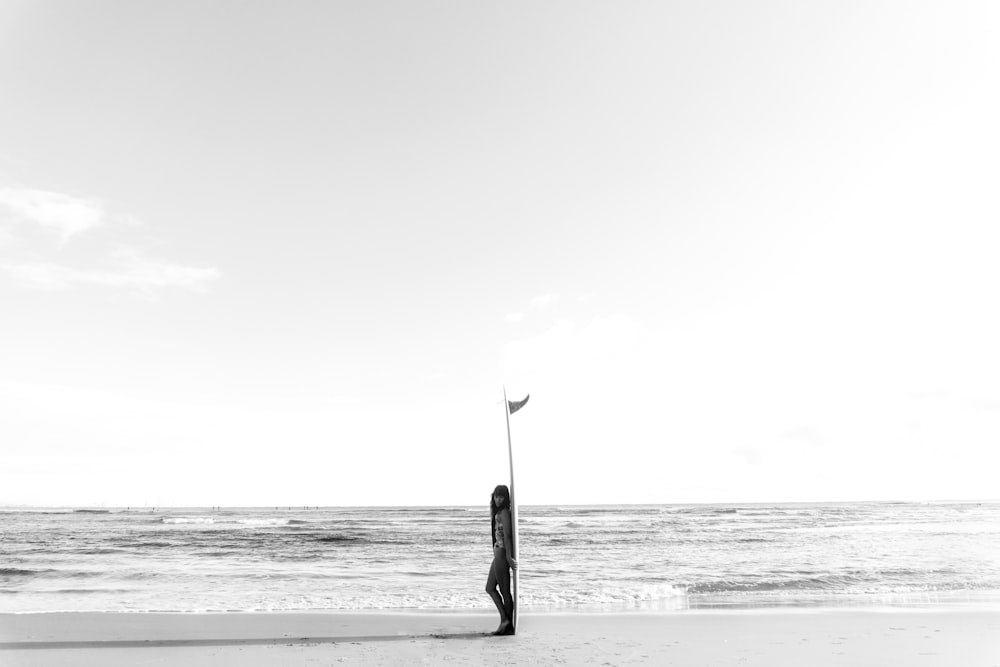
(773, 637)
(942, 601)
(991, 606)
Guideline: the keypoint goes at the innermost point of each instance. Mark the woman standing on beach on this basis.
(502, 560)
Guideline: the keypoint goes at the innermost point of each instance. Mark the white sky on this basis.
(257, 253)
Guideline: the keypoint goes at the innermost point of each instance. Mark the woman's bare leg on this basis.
(503, 581)
(491, 588)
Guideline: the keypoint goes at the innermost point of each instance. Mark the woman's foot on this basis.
(504, 628)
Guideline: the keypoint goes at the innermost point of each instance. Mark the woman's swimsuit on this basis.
(498, 535)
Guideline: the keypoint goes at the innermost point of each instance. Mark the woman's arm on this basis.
(508, 539)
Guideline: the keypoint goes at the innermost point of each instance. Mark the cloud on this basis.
(752, 455)
(805, 435)
(536, 303)
(544, 300)
(64, 214)
(67, 216)
(341, 400)
(982, 404)
(129, 270)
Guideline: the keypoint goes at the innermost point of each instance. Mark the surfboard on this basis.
(515, 575)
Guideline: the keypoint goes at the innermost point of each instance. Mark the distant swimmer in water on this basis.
(498, 583)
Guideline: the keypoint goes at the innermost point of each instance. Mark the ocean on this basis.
(573, 558)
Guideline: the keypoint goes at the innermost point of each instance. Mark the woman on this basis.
(503, 559)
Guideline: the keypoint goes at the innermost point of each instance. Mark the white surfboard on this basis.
(513, 508)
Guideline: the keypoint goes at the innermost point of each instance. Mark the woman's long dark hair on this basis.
(494, 508)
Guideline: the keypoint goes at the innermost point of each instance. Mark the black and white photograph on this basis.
(391, 333)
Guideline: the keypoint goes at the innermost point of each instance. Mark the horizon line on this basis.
(625, 504)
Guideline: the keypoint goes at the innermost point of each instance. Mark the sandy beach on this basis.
(970, 638)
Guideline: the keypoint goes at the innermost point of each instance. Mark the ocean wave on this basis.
(224, 521)
(639, 595)
(18, 572)
(86, 591)
(766, 585)
(338, 538)
(432, 511)
(901, 580)
(702, 511)
(15, 573)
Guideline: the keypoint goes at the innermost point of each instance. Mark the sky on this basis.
(257, 253)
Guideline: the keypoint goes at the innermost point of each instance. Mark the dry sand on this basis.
(954, 638)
